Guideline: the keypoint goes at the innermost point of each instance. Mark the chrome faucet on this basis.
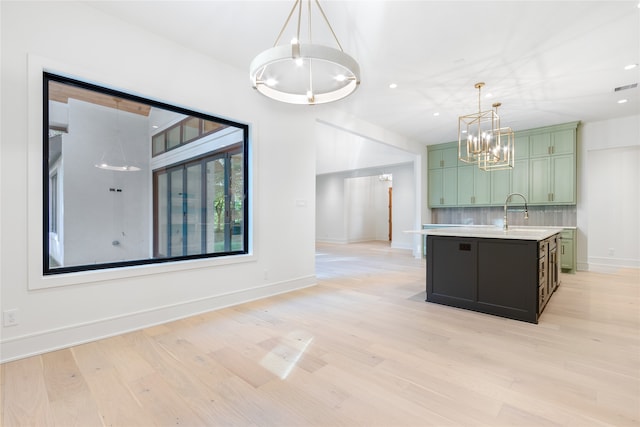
(505, 226)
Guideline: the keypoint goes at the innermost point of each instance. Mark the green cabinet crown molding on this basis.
(547, 129)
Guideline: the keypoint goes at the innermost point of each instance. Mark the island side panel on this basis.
(508, 278)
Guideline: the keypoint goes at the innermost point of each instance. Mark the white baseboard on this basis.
(330, 240)
(71, 335)
(607, 265)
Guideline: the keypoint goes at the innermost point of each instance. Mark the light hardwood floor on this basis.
(361, 348)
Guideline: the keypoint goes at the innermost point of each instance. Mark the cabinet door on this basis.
(435, 188)
(465, 185)
(443, 158)
(520, 179)
(563, 178)
(450, 157)
(539, 180)
(482, 187)
(563, 141)
(539, 144)
(435, 159)
(521, 147)
(501, 185)
(450, 186)
(566, 254)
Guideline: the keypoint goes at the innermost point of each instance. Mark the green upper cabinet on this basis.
(521, 147)
(561, 140)
(544, 172)
(474, 186)
(443, 187)
(553, 180)
(520, 178)
(442, 176)
(501, 183)
(540, 145)
(444, 157)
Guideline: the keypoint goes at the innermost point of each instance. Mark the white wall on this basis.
(609, 194)
(330, 212)
(353, 207)
(77, 40)
(406, 208)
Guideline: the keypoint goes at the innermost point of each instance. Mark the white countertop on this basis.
(493, 232)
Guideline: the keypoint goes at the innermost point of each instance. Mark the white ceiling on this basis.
(547, 62)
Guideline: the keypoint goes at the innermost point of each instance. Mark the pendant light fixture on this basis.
(501, 151)
(482, 141)
(113, 157)
(303, 72)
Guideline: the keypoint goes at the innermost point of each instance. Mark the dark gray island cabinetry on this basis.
(506, 273)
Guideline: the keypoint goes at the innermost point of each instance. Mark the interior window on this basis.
(134, 181)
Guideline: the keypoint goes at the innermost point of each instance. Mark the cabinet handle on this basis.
(473, 199)
(562, 250)
(549, 150)
(442, 200)
(441, 163)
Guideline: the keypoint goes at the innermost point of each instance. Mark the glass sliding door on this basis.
(199, 206)
(193, 212)
(217, 204)
(236, 190)
(176, 213)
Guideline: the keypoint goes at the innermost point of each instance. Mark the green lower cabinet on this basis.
(568, 250)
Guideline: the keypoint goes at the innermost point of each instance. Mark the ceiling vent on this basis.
(631, 86)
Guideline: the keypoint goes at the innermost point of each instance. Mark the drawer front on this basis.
(542, 271)
(567, 234)
(542, 249)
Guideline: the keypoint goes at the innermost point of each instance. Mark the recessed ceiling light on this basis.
(622, 101)
(630, 66)
(436, 114)
(489, 95)
(393, 86)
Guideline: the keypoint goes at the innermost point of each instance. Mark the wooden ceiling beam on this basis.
(62, 92)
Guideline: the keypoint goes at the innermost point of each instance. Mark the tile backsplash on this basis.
(564, 216)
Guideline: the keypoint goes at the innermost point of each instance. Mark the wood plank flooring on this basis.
(361, 348)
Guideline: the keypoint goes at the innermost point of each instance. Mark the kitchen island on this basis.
(510, 273)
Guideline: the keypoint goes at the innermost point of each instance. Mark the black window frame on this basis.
(46, 268)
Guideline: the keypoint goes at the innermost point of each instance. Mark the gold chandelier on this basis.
(482, 141)
(303, 72)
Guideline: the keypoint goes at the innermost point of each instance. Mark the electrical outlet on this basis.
(10, 317)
